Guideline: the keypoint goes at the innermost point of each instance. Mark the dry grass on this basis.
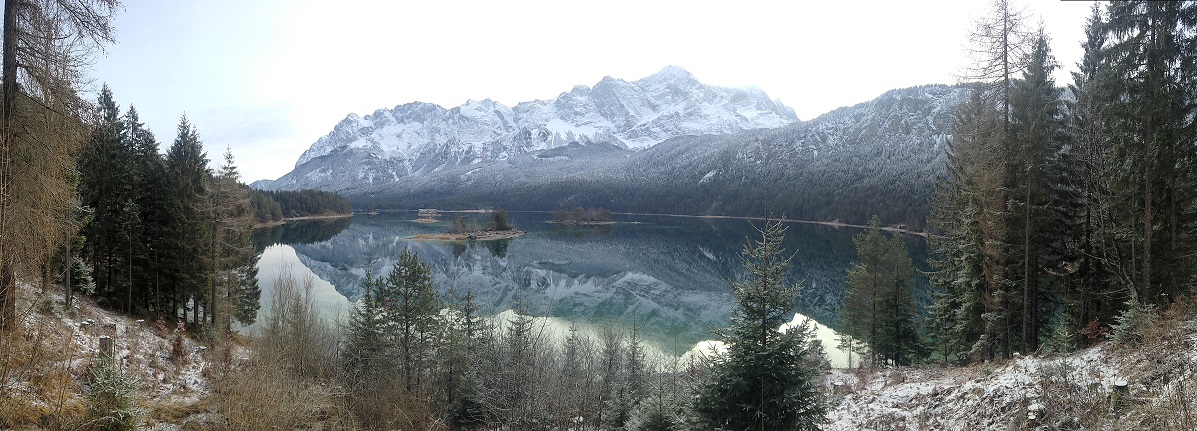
(289, 381)
(265, 396)
(37, 389)
(1160, 367)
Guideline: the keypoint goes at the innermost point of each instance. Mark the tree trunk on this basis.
(8, 282)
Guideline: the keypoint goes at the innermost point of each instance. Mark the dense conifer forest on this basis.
(273, 206)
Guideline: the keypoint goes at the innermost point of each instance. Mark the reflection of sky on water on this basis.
(281, 259)
(667, 273)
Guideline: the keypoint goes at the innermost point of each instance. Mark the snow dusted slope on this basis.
(420, 138)
(1074, 391)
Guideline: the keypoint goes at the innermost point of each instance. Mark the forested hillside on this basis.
(1065, 212)
(273, 206)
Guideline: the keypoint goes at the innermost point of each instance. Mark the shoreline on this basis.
(835, 224)
(311, 217)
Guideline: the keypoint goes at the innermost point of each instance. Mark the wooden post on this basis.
(1121, 395)
(107, 349)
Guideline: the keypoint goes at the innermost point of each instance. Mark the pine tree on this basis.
(767, 379)
(880, 309)
(410, 305)
(187, 224)
(1150, 116)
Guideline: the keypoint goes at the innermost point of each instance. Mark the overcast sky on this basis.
(269, 78)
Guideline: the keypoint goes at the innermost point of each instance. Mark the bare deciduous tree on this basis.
(45, 45)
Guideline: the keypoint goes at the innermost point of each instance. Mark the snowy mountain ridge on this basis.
(663, 144)
(636, 115)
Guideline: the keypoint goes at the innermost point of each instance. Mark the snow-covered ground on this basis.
(69, 340)
(1075, 391)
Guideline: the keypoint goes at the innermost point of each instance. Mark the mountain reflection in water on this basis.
(666, 273)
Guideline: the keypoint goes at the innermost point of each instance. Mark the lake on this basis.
(666, 273)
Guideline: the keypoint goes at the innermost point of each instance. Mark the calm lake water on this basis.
(666, 273)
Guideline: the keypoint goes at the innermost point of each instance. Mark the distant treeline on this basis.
(271, 206)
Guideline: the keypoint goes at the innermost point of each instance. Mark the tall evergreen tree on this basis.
(467, 334)
(368, 353)
(963, 217)
(106, 189)
(410, 305)
(767, 379)
(899, 341)
(1102, 276)
(1043, 194)
(148, 185)
(1151, 116)
(187, 224)
(867, 279)
(880, 308)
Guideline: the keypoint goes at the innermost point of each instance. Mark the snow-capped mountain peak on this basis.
(421, 137)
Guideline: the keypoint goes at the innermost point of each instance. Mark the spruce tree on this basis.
(148, 185)
(1151, 120)
(899, 341)
(767, 379)
(467, 334)
(410, 305)
(880, 309)
(105, 188)
(1101, 269)
(187, 224)
(234, 290)
(1043, 196)
(965, 217)
(859, 317)
(368, 355)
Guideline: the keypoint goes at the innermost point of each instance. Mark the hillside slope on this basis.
(1074, 391)
(46, 366)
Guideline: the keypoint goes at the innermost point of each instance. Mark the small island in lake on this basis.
(500, 227)
(427, 215)
(582, 217)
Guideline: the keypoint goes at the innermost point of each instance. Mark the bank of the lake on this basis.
(285, 220)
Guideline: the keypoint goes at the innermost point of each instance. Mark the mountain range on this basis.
(666, 143)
